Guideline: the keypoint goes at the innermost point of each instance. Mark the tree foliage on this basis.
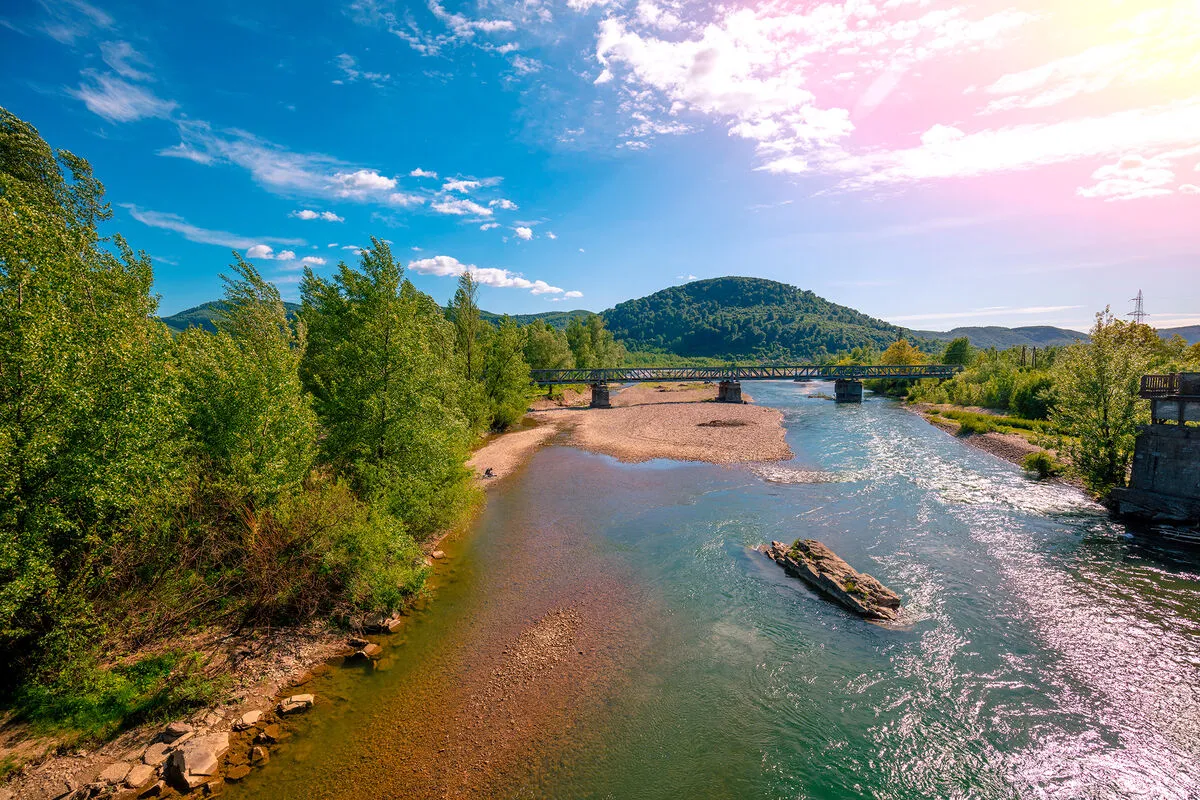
(959, 352)
(506, 375)
(547, 347)
(592, 344)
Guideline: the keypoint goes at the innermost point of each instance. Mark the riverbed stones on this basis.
(270, 734)
(259, 755)
(156, 753)
(247, 720)
(357, 642)
(176, 730)
(438, 555)
(295, 704)
(369, 651)
(139, 775)
(154, 790)
(197, 761)
(235, 774)
(820, 567)
(115, 772)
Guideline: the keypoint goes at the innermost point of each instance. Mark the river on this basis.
(644, 651)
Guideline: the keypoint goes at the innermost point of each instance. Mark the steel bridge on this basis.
(848, 386)
(546, 377)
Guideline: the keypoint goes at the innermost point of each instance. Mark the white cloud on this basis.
(652, 15)
(362, 182)
(487, 226)
(1131, 178)
(503, 203)
(118, 100)
(523, 65)
(523, 232)
(447, 266)
(588, 5)
(551, 235)
(572, 294)
(313, 261)
(122, 58)
(461, 208)
(350, 71)
(267, 253)
(457, 185)
(404, 199)
(1189, 188)
(193, 233)
(998, 311)
(69, 20)
(307, 214)
(422, 173)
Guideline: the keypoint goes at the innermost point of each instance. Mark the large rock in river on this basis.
(820, 567)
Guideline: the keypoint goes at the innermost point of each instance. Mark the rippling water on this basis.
(1046, 653)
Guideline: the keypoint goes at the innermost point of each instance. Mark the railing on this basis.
(1160, 385)
(641, 374)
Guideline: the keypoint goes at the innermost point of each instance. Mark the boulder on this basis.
(357, 642)
(437, 555)
(259, 755)
(388, 625)
(296, 703)
(197, 762)
(114, 773)
(139, 775)
(154, 790)
(247, 720)
(270, 734)
(821, 568)
(156, 754)
(369, 651)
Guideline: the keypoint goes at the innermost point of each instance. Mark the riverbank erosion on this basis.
(821, 568)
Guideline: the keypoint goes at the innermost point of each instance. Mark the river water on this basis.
(1046, 654)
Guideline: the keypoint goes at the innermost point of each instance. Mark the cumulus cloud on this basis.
(362, 182)
(551, 235)
(457, 185)
(447, 266)
(1130, 178)
(308, 214)
(313, 261)
(267, 253)
(461, 208)
(423, 173)
(487, 226)
(523, 233)
(503, 203)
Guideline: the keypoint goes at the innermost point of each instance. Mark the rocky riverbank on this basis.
(821, 568)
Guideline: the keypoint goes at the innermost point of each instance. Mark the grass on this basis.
(90, 703)
(973, 422)
(1043, 464)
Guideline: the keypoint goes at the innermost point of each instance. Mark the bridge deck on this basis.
(755, 373)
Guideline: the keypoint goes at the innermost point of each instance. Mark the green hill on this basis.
(1004, 338)
(202, 316)
(555, 319)
(1189, 332)
(745, 318)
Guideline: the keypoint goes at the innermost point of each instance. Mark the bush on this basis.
(1043, 464)
(95, 702)
(973, 425)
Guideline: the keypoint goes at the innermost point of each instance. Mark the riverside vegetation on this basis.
(276, 469)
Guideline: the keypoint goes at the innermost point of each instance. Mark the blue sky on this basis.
(932, 164)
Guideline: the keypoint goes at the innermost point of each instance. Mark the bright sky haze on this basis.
(935, 164)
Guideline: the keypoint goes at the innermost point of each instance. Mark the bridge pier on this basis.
(729, 392)
(600, 396)
(847, 391)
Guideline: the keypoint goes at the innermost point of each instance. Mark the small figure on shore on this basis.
(487, 473)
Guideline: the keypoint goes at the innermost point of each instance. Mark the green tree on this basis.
(1096, 404)
(506, 376)
(381, 365)
(901, 353)
(592, 345)
(464, 310)
(250, 418)
(546, 347)
(88, 413)
(959, 352)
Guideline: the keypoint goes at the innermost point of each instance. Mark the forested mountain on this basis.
(1003, 338)
(555, 319)
(202, 316)
(745, 318)
(1189, 332)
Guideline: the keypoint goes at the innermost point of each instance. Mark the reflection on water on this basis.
(1046, 654)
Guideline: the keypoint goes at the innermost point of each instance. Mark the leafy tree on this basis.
(959, 352)
(901, 353)
(1096, 405)
(592, 345)
(546, 347)
(381, 366)
(506, 376)
(88, 416)
(250, 418)
(464, 310)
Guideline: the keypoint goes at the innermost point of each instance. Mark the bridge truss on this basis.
(546, 377)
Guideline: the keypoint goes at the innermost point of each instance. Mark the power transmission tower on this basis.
(1139, 312)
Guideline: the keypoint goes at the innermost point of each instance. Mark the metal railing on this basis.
(756, 373)
(1160, 385)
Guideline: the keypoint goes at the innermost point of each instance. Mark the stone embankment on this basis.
(820, 567)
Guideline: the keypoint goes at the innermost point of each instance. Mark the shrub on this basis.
(1043, 464)
(973, 425)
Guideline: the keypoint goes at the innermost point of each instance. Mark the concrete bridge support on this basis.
(847, 391)
(600, 396)
(729, 392)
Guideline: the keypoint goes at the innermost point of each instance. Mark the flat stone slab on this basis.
(198, 761)
(295, 703)
(821, 568)
(247, 720)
